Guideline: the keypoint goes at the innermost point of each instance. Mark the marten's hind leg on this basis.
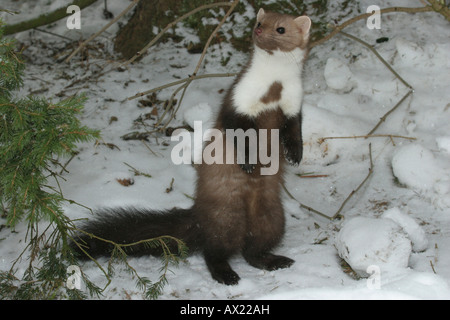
(220, 269)
(265, 231)
(267, 261)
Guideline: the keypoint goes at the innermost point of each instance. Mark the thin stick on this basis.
(305, 206)
(101, 30)
(53, 34)
(379, 57)
(411, 89)
(383, 118)
(175, 83)
(368, 136)
(213, 34)
(338, 213)
(432, 267)
(184, 87)
(170, 103)
(314, 176)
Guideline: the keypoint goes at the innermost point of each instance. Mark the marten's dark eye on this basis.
(258, 25)
(281, 30)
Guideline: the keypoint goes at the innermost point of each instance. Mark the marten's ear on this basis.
(304, 24)
(260, 14)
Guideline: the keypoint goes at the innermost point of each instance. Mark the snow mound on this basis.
(415, 233)
(444, 143)
(363, 242)
(338, 75)
(418, 285)
(415, 167)
(409, 284)
(200, 112)
(386, 242)
(418, 168)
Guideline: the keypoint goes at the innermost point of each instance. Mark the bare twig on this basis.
(432, 267)
(383, 118)
(367, 136)
(53, 34)
(175, 83)
(101, 30)
(305, 206)
(338, 213)
(213, 34)
(410, 91)
(44, 19)
(379, 57)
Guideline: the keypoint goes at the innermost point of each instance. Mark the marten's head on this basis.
(276, 31)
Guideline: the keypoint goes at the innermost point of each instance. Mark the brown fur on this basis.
(236, 209)
(271, 40)
(274, 93)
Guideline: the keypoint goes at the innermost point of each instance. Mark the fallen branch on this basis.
(45, 18)
(305, 206)
(383, 118)
(410, 91)
(175, 83)
(338, 213)
(391, 136)
(375, 52)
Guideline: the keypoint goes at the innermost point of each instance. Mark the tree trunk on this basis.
(149, 14)
(139, 29)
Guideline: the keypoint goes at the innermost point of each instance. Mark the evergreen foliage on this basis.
(34, 134)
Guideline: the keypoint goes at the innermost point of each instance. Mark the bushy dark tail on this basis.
(131, 225)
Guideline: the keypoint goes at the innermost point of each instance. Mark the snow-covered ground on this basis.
(395, 233)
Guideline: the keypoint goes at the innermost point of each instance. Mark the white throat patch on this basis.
(266, 69)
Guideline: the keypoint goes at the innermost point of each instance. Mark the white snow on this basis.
(408, 285)
(419, 169)
(364, 242)
(444, 143)
(414, 166)
(338, 75)
(410, 227)
(385, 243)
(399, 221)
(200, 112)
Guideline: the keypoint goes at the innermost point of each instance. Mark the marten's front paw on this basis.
(247, 167)
(293, 153)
